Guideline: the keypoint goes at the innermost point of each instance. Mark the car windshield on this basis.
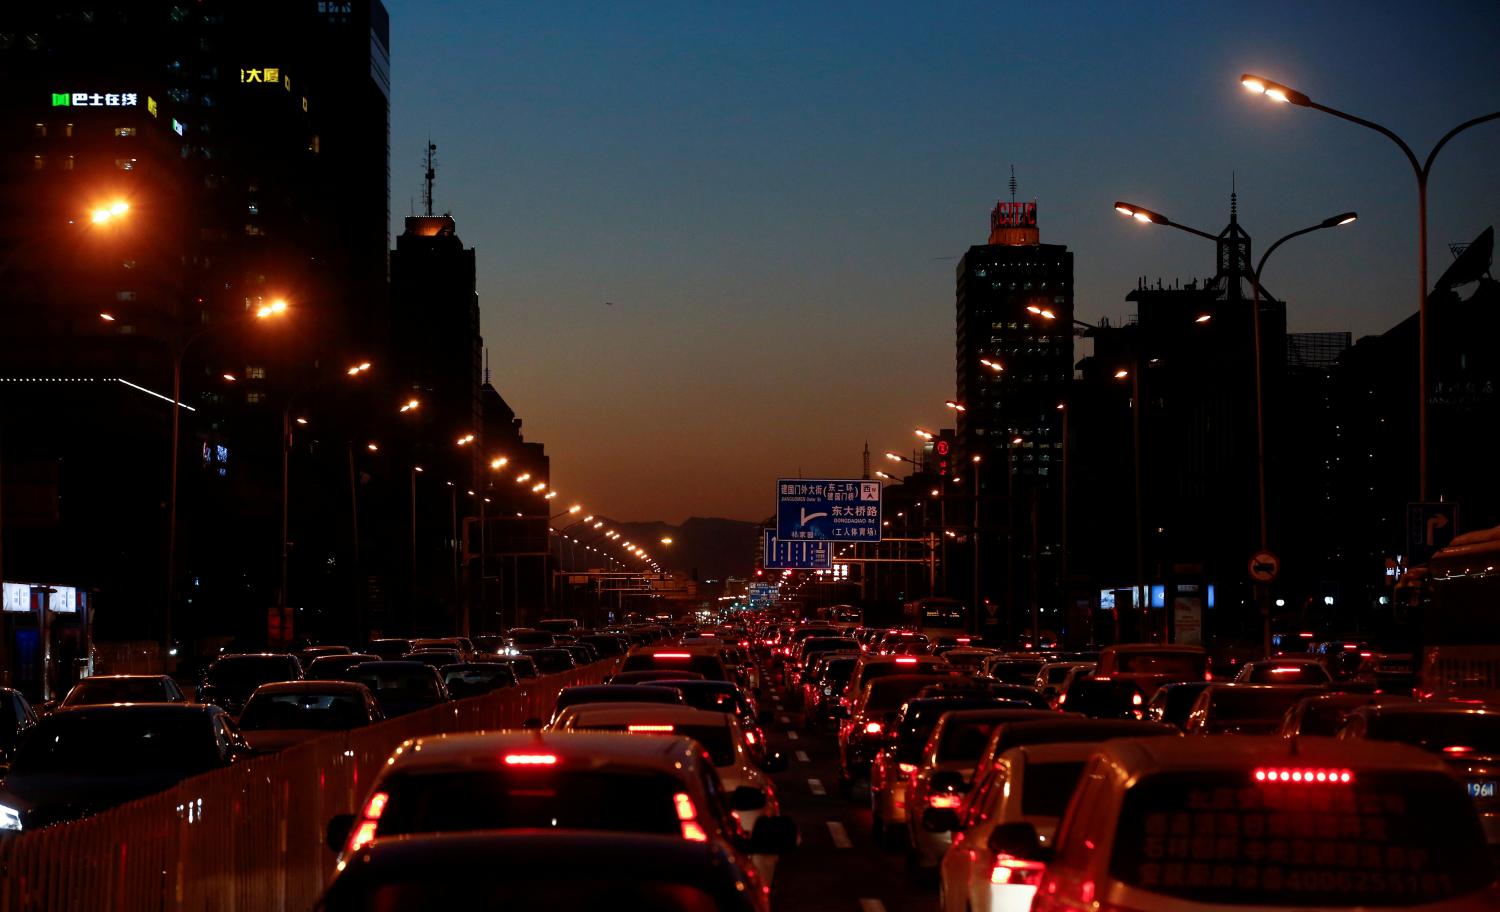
(966, 740)
(401, 684)
(1381, 840)
(631, 801)
(1180, 699)
(325, 711)
(1185, 665)
(121, 743)
(1008, 672)
(1444, 733)
(1046, 788)
(714, 738)
(249, 672)
(91, 691)
(885, 695)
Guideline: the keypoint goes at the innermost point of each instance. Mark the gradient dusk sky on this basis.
(772, 197)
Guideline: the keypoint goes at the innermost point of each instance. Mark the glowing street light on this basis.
(302, 421)
(372, 446)
(523, 478)
(924, 434)
(231, 378)
(1043, 312)
(465, 440)
(667, 540)
(1121, 374)
(411, 405)
(110, 213)
(995, 366)
(108, 318)
(274, 309)
(1203, 318)
(359, 368)
(956, 406)
(499, 462)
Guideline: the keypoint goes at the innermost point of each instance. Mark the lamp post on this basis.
(1422, 170)
(1146, 216)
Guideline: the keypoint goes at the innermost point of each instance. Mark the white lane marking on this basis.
(786, 720)
(816, 785)
(871, 905)
(802, 756)
(840, 835)
(791, 736)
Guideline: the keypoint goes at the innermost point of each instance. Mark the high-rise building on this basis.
(1014, 362)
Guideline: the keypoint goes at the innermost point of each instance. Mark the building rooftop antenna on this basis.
(428, 177)
(1013, 183)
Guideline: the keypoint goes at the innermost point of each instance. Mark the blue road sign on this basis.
(827, 509)
(1429, 526)
(762, 595)
(796, 554)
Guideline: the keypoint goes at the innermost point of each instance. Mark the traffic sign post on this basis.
(1265, 567)
(827, 509)
(797, 554)
(1429, 528)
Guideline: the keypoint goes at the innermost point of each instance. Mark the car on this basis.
(389, 648)
(523, 638)
(822, 688)
(463, 647)
(523, 666)
(897, 761)
(1051, 677)
(1305, 823)
(806, 651)
(869, 667)
(703, 660)
(607, 646)
(946, 766)
(969, 658)
(1016, 693)
(1172, 702)
(231, 679)
(279, 715)
(558, 625)
(1324, 714)
(77, 762)
(652, 674)
(1283, 671)
(1151, 665)
(1243, 709)
(308, 654)
(537, 869)
(551, 660)
(721, 696)
(1465, 736)
(473, 679)
(581, 694)
(1390, 672)
(437, 658)
(102, 689)
(1008, 669)
(16, 719)
(401, 687)
(534, 782)
(582, 653)
(719, 734)
(864, 730)
(336, 667)
(1103, 698)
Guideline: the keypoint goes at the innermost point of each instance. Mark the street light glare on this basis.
(301, 420)
(498, 462)
(523, 478)
(1203, 318)
(418, 469)
(1343, 218)
(576, 508)
(1017, 440)
(1255, 85)
(893, 457)
(108, 318)
(925, 435)
(1121, 374)
(667, 540)
(372, 446)
(411, 405)
(1124, 209)
(1140, 216)
(230, 377)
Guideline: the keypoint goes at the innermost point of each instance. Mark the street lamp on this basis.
(464, 440)
(995, 366)
(896, 457)
(924, 434)
(956, 406)
(411, 405)
(357, 369)
(1287, 95)
(112, 212)
(1333, 221)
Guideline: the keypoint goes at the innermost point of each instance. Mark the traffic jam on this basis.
(766, 760)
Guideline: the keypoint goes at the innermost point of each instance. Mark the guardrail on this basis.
(249, 837)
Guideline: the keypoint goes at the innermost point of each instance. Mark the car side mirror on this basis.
(774, 762)
(532, 723)
(337, 833)
(1018, 840)
(747, 798)
(940, 820)
(773, 836)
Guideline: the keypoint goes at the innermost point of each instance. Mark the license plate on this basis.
(1485, 789)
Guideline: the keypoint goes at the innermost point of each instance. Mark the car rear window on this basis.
(965, 741)
(1015, 672)
(1301, 673)
(1381, 840)
(714, 738)
(1437, 731)
(1046, 788)
(500, 799)
(1186, 665)
(399, 684)
(249, 672)
(1233, 704)
(711, 667)
(123, 743)
(119, 690)
(885, 696)
(330, 712)
(1104, 699)
(657, 895)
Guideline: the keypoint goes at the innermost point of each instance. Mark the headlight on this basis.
(10, 818)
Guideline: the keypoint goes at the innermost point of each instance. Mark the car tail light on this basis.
(673, 655)
(1304, 776)
(364, 831)
(1457, 750)
(750, 738)
(947, 800)
(1136, 699)
(687, 814)
(907, 768)
(530, 759)
(1285, 669)
(1351, 646)
(651, 729)
(1016, 871)
(906, 661)
(872, 728)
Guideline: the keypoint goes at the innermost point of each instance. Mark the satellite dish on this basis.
(1471, 265)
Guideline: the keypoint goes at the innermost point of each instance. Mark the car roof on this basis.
(1245, 752)
(696, 649)
(392, 665)
(1287, 660)
(1127, 648)
(313, 685)
(139, 709)
(254, 655)
(996, 714)
(593, 749)
(1418, 708)
(1051, 752)
(628, 713)
(123, 677)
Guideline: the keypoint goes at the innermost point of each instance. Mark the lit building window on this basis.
(67, 163)
(68, 130)
(124, 296)
(38, 162)
(124, 131)
(255, 372)
(254, 396)
(41, 129)
(125, 164)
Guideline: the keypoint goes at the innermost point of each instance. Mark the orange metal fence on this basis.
(249, 837)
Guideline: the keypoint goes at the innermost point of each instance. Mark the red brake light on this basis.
(1304, 776)
(945, 800)
(364, 834)
(530, 759)
(376, 805)
(672, 655)
(1351, 645)
(750, 738)
(1136, 699)
(692, 832)
(688, 815)
(906, 661)
(1017, 871)
(1454, 750)
(872, 728)
(907, 768)
(659, 729)
(1285, 669)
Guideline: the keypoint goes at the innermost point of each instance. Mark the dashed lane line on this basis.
(816, 786)
(791, 736)
(840, 836)
(802, 756)
(871, 905)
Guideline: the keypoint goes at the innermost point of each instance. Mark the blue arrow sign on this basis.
(827, 509)
(796, 554)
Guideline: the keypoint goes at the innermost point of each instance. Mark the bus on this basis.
(937, 617)
(1455, 601)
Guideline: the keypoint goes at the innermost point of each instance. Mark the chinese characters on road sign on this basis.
(820, 509)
